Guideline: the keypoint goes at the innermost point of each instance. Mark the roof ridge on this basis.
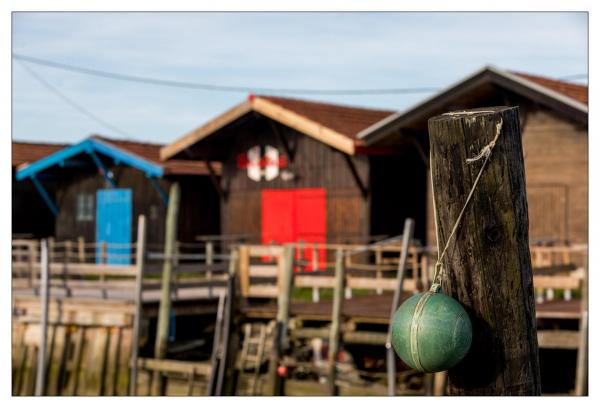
(547, 78)
(312, 101)
(112, 139)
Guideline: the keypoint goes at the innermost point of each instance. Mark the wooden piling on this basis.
(137, 317)
(40, 381)
(209, 253)
(487, 265)
(407, 234)
(336, 317)
(276, 382)
(81, 249)
(581, 376)
(162, 331)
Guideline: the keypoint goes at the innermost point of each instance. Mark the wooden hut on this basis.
(25, 199)
(294, 170)
(554, 120)
(102, 185)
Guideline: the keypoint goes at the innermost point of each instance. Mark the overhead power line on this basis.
(71, 102)
(222, 88)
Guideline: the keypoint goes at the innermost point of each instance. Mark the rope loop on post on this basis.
(486, 152)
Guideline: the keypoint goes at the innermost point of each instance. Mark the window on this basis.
(85, 207)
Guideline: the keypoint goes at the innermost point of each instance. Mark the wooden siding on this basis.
(556, 173)
(31, 217)
(315, 165)
(199, 211)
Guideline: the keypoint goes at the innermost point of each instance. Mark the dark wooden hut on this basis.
(101, 185)
(554, 121)
(30, 216)
(294, 170)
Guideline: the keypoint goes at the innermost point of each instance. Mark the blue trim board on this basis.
(157, 187)
(40, 188)
(102, 169)
(89, 146)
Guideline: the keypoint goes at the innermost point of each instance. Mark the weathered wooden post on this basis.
(581, 376)
(40, 379)
(277, 384)
(336, 317)
(139, 280)
(209, 254)
(407, 234)
(487, 266)
(81, 249)
(162, 330)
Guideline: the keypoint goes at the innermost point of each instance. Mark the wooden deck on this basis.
(376, 309)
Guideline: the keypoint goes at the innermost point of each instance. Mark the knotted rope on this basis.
(486, 153)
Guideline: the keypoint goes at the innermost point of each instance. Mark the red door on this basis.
(293, 215)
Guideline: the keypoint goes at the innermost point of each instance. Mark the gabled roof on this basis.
(569, 99)
(335, 125)
(143, 156)
(151, 152)
(574, 91)
(28, 152)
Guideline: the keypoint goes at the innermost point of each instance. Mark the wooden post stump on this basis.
(162, 329)
(487, 265)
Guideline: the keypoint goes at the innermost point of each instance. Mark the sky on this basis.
(275, 50)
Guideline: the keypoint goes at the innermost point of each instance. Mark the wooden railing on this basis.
(368, 268)
(261, 268)
(78, 265)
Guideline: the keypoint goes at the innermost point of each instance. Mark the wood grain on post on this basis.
(407, 235)
(140, 256)
(276, 382)
(336, 317)
(162, 330)
(487, 266)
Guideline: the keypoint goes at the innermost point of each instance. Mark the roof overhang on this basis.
(271, 110)
(487, 75)
(90, 146)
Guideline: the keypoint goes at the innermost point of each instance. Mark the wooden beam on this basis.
(40, 379)
(162, 330)
(558, 339)
(45, 196)
(407, 234)
(304, 125)
(102, 168)
(276, 382)
(203, 131)
(336, 317)
(223, 193)
(137, 317)
(289, 150)
(163, 196)
(362, 186)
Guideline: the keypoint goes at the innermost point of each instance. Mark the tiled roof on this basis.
(343, 119)
(150, 152)
(573, 91)
(28, 152)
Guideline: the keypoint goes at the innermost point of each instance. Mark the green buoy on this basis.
(431, 332)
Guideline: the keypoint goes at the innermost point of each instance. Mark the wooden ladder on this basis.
(253, 351)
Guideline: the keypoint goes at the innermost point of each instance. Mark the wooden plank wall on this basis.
(315, 165)
(88, 348)
(146, 200)
(556, 171)
(199, 205)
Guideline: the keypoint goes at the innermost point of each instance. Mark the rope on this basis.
(486, 153)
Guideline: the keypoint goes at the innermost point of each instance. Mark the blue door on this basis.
(113, 225)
